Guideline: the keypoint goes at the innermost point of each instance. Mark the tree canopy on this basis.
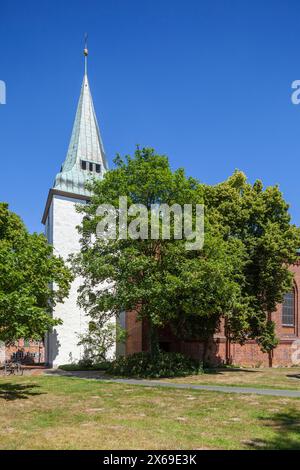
(260, 219)
(239, 274)
(28, 272)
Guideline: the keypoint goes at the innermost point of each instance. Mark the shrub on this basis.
(85, 365)
(100, 338)
(160, 365)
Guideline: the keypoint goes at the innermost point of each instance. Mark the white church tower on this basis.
(85, 159)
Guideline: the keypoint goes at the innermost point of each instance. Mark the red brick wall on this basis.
(219, 350)
(285, 332)
(134, 341)
(32, 352)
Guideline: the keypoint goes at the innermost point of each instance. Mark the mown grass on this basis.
(40, 412)
(281, 378)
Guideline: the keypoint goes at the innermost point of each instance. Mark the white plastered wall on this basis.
(62, 343)
(2, 352)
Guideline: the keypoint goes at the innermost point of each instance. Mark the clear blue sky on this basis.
(206, 82)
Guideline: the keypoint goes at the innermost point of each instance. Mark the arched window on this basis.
(288, 309)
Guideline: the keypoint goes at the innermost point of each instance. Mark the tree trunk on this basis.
(154, 347)
(205, 346)
(270, 353)
(227, 344)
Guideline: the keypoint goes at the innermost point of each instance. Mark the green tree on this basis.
(166, 283)
(28, 270)
(259, 218)
(240, 274)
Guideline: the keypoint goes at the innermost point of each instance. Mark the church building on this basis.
(85, 159)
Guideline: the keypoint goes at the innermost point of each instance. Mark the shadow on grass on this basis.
(222, 370)
(293, 376)
(82, 374)
(287, 428)
(10, 391)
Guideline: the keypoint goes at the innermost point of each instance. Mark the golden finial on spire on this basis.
(85, 50)
(85, 53)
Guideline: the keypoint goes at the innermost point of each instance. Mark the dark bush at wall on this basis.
(162, 364)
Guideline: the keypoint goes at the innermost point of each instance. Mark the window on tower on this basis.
(90, 166)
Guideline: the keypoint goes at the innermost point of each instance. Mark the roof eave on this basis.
(58, 192)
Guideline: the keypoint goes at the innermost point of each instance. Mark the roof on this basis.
(85, 146)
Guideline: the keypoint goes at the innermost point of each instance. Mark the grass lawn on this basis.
(282, 378)
(40, 412)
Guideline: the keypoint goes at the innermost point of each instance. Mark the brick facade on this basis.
(27, 352)
(134, 329)
(220, 350)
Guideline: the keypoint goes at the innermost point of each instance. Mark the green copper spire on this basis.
(85, 157)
